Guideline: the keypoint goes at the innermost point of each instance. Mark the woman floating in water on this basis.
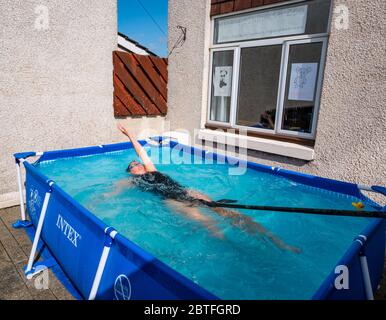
(147, 178)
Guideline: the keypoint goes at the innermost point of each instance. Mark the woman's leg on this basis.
(244, 222)
(194, 213)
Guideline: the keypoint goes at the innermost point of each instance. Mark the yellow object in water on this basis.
(358, 205)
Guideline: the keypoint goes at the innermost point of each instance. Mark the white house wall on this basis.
(350, 141)
(56, 86)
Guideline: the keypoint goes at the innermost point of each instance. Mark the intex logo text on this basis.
(68, 231)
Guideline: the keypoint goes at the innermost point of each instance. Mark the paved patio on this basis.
(14, 250)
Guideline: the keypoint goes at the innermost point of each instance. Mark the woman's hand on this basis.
(149, 166)
(122, 129)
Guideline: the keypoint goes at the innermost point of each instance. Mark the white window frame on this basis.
(286, 42)
(284, 76)
(234, 77)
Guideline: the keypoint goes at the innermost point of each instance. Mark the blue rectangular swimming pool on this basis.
(168, 255)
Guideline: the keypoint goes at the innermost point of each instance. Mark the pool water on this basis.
(239, 266)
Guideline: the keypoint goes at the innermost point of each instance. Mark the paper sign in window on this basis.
(222, 81)
(303, 81)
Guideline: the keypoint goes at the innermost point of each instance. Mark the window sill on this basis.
(269, 136)
(281, 148)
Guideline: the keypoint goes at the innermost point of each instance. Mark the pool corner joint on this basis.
(276, 169)
(34, 268)
(377, 189)
(20, 158)
(110, 234)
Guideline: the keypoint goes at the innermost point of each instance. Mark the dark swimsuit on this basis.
(163, 186)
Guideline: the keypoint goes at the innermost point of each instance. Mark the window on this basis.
(267, 67)
(258, 86)
(298, 107)
(222, 70)
(305, 18)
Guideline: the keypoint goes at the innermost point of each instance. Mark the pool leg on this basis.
(365, 268)
(366, 277)
(110, 234)
(31, 268)
(23, 222)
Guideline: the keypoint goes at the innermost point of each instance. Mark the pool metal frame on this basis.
(103, 264)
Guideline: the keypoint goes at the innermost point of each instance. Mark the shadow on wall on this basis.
(278, 159)
(266, 158)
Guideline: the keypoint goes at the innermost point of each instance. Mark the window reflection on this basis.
(258, 86)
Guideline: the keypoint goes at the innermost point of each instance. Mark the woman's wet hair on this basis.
(130, 166)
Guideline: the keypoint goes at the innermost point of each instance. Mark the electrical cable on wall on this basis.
(181, 39)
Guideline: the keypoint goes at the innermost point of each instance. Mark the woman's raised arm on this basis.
(141, 152)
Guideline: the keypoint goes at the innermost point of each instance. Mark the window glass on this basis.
(301, 85)
(258, 86)
(222, 71)
(302, 18)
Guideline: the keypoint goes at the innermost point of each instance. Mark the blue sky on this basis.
(137, 24)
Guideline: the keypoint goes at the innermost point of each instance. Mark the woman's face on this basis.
(136, 168)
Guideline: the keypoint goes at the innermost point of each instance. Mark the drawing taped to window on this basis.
(303, 81)
(222, 81)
